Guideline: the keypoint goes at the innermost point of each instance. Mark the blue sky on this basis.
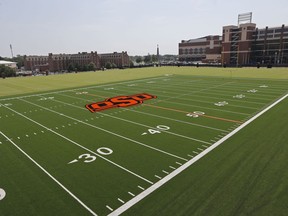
(69, 26)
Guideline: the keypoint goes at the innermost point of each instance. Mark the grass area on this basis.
(24, 85)
(65, 160)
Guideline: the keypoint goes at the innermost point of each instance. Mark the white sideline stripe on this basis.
(107, 131)
(158, 184)
(77, 144)
(83, 88)
(47, 173)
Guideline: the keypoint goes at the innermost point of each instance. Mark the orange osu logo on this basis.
(119, 101)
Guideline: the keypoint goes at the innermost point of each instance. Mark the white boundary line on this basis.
(46, 172)
(158, 184)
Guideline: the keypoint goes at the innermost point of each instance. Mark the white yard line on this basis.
(219, 110)
(47, 173)
(158, 116)
(77, 144)
(158, 184)
(136, 123)
(176, 120)
(193, 100)
(190, 93)
(107, 131)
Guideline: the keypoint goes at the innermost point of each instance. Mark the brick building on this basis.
(206, 49)
(119, 59)
(241, 44)
(36, 62)
(270, 45)
(61, 62)
(237, 43)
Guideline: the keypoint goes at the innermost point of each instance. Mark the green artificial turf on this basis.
(246, 175)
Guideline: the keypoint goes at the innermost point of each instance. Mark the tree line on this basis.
(6, 71)
(77, 67)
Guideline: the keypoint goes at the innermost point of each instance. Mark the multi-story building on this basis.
(36, 62)
(270, 45)
(237, 43)
(241, 44)
(60, 62)
(119, 59)
(206, 49)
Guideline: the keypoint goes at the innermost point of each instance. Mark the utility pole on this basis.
(158, 59)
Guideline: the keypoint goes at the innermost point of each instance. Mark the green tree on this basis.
(154, 58)
(108, 65)
(20, 61)
(139, 59)
(78, 67)
(85, 67)
(131, 64)
(91, 66)
(7, 71)
(71, 67)
(147, 59)
(114, 65)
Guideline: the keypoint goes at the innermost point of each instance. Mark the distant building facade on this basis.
(206, 49)
(270, 45)
(237, 43)
(243, 44)
(36, 62)
(61, 62)
(119, 59)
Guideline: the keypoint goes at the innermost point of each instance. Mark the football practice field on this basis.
(169, 144)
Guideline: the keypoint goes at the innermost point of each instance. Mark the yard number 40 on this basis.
(156, 130)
